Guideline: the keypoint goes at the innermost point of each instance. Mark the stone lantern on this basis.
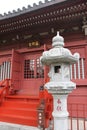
(59, 60)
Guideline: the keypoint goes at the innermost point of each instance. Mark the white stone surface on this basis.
(58, 53)
(59, 59)
(10, 126)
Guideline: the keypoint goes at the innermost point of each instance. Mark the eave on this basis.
(56, 13)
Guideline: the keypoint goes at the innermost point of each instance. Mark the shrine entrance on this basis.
(24, 70)
(32, 73)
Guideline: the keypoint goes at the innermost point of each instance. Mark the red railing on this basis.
(4, 89)
(78, 116)
(45, 108)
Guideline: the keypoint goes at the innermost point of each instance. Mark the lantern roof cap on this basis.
(59, 54)
(57, 41)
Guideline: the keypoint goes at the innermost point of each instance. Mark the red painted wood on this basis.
(16, 70)
(19, 111)
(80, 82)
(80, 50)
(77, 102)
(30, 86)
(22, 109)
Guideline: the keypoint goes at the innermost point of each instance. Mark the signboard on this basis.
(33, 44)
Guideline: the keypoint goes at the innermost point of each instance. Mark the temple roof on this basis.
(29, 8)
(43, 20)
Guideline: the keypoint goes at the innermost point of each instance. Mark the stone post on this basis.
(60, 112)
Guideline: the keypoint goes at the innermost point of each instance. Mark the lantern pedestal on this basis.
(60, 94)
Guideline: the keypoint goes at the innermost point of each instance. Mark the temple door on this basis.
(16, 70)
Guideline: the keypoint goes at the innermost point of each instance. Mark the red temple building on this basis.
(24, 35)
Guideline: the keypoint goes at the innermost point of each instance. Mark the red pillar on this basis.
(45, 68)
